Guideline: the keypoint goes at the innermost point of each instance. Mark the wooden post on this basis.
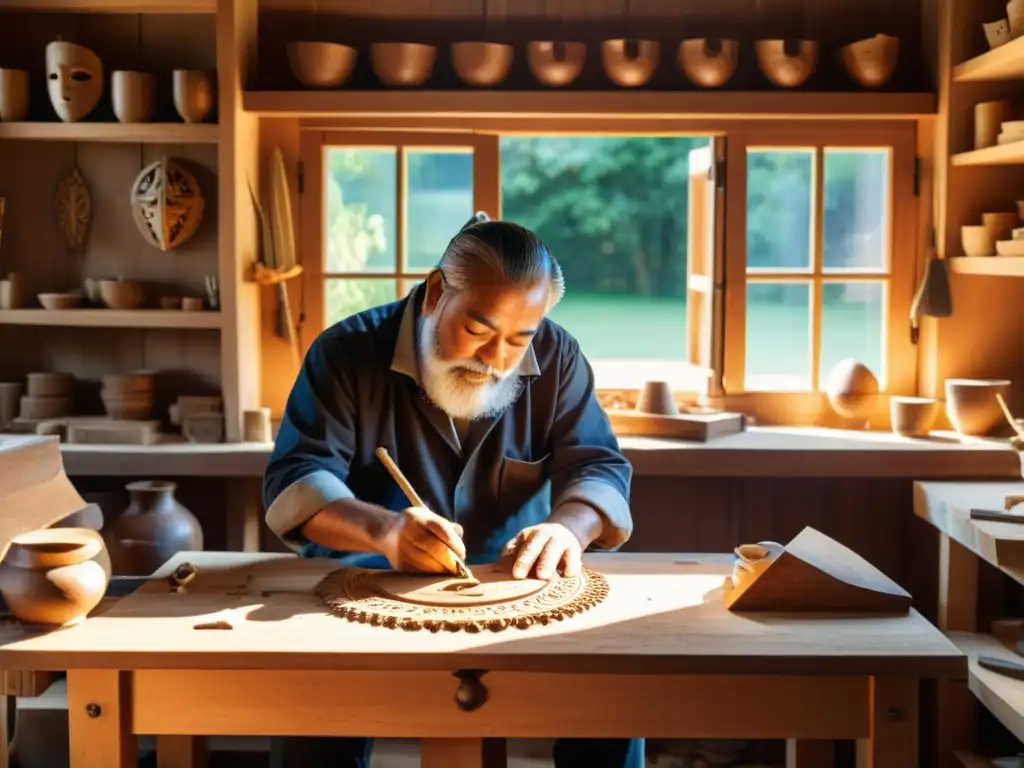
(99, 719)
(893, 742)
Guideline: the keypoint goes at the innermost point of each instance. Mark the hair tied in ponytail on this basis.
(478, 218)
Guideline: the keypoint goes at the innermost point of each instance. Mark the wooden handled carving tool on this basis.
(462, 570)
(996, 516)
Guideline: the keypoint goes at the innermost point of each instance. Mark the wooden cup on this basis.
(988, 122)
(13, 95)
(913, 416)
(133, 95)
(1000, 225)
(256, 426)
(194, 94)
(656, 397)
(977, 241)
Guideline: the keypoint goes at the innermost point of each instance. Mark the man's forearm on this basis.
(349, 525)
(585, 522)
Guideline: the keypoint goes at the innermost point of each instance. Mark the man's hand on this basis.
(546, 550)
(420, 541)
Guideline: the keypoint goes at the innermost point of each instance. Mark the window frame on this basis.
(901, 358)
(731, 138)
(314, 148)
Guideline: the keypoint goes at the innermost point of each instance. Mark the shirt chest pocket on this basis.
(520, 481)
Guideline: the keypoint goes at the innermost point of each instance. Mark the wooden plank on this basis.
(947, 506)
(228, 460)
(663, 614)
(894, 728)
(112, 318)
(99, 719)
(133, 133)
(110, 6)
(422, 705)
(1001, 695)
(1003, 63)
(588, 104)
(1002, 266)
(1001, 154)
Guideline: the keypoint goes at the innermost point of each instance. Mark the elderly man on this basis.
(488, 408)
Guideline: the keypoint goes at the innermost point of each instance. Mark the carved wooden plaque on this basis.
(445, 603)
(74, 208)
(167, 204)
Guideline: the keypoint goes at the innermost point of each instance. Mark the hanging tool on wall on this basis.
(277, 236)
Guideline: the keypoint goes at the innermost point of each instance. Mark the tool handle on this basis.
(403, 483)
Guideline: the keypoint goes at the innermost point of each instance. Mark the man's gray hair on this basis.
(513, 253)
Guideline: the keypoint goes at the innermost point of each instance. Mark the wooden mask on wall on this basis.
(167, 204)
(74, 80)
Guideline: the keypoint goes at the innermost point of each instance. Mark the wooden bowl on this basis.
(977, 240)
(45, 407)
(630, 63)
(872, 61)
(556, 63)
(133, 407)
(972, 406)
(403, 64)
(708, 63)
(117, 384)
(913, 416)
(170, 302)
(482, 64)
(60, 300)
(121, 294)
(321, 65)
(787, 64)
(45, 384)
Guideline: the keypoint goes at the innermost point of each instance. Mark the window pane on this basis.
(360, 217)
(439, 201)
(779, 194)
(405, 286)
(852, 316)
(612, 210)
(778, 336)
(856, 203)
(344, 297)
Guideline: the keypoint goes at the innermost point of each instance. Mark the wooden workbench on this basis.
(662, 641)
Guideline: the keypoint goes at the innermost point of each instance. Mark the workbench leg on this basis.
(955, 706)
(181, 752)
(810, 753)
(100, 719)
(462, 753)
(895, 724)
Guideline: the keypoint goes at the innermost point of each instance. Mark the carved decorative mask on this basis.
(74, 78)
(167, 204)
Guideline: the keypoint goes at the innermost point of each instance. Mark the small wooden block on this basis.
(814, 573)
(684, 426)
(117, 431)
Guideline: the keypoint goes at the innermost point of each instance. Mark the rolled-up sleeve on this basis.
(586, 463)
(308, 468)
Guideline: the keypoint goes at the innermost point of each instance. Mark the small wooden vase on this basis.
(194, 94)
(13, 95)
(133, 95)
(153, 529)
(53, 577)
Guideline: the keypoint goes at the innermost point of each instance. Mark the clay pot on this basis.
(403, 64)
(871, 62)
(52, 578)
(787, 64)
(913, 416)
(556, 63)
(321, 65)
(706, 64)
(656, 397)
(122, 294)
(972, 406)
(133, 95)
(852, 389)
(630, 63)
(153, 529)
(13, 95)
(481, 64)
(193, 94)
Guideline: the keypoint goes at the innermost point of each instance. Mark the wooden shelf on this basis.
(947, 506)
(1005, 266)
(111, 318)
(110, 6)
(1003, 63)
(1000, 695)
(625, 105)
(1004, 154)
(163, 133)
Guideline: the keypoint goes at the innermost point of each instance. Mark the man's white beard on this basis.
(457, 397)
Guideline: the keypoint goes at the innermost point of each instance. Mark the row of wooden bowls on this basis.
(114, 294)
(628, 63)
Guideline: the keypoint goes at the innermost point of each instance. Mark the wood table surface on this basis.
(663, 613)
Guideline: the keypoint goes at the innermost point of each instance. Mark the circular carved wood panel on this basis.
(445, 603)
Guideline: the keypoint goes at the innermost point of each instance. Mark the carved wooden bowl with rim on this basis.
(482, 64)
(787, 63)
(630, 63)
(556, 63)
(403, 64)
(872, 61)
(708, 63)
(321, 65)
